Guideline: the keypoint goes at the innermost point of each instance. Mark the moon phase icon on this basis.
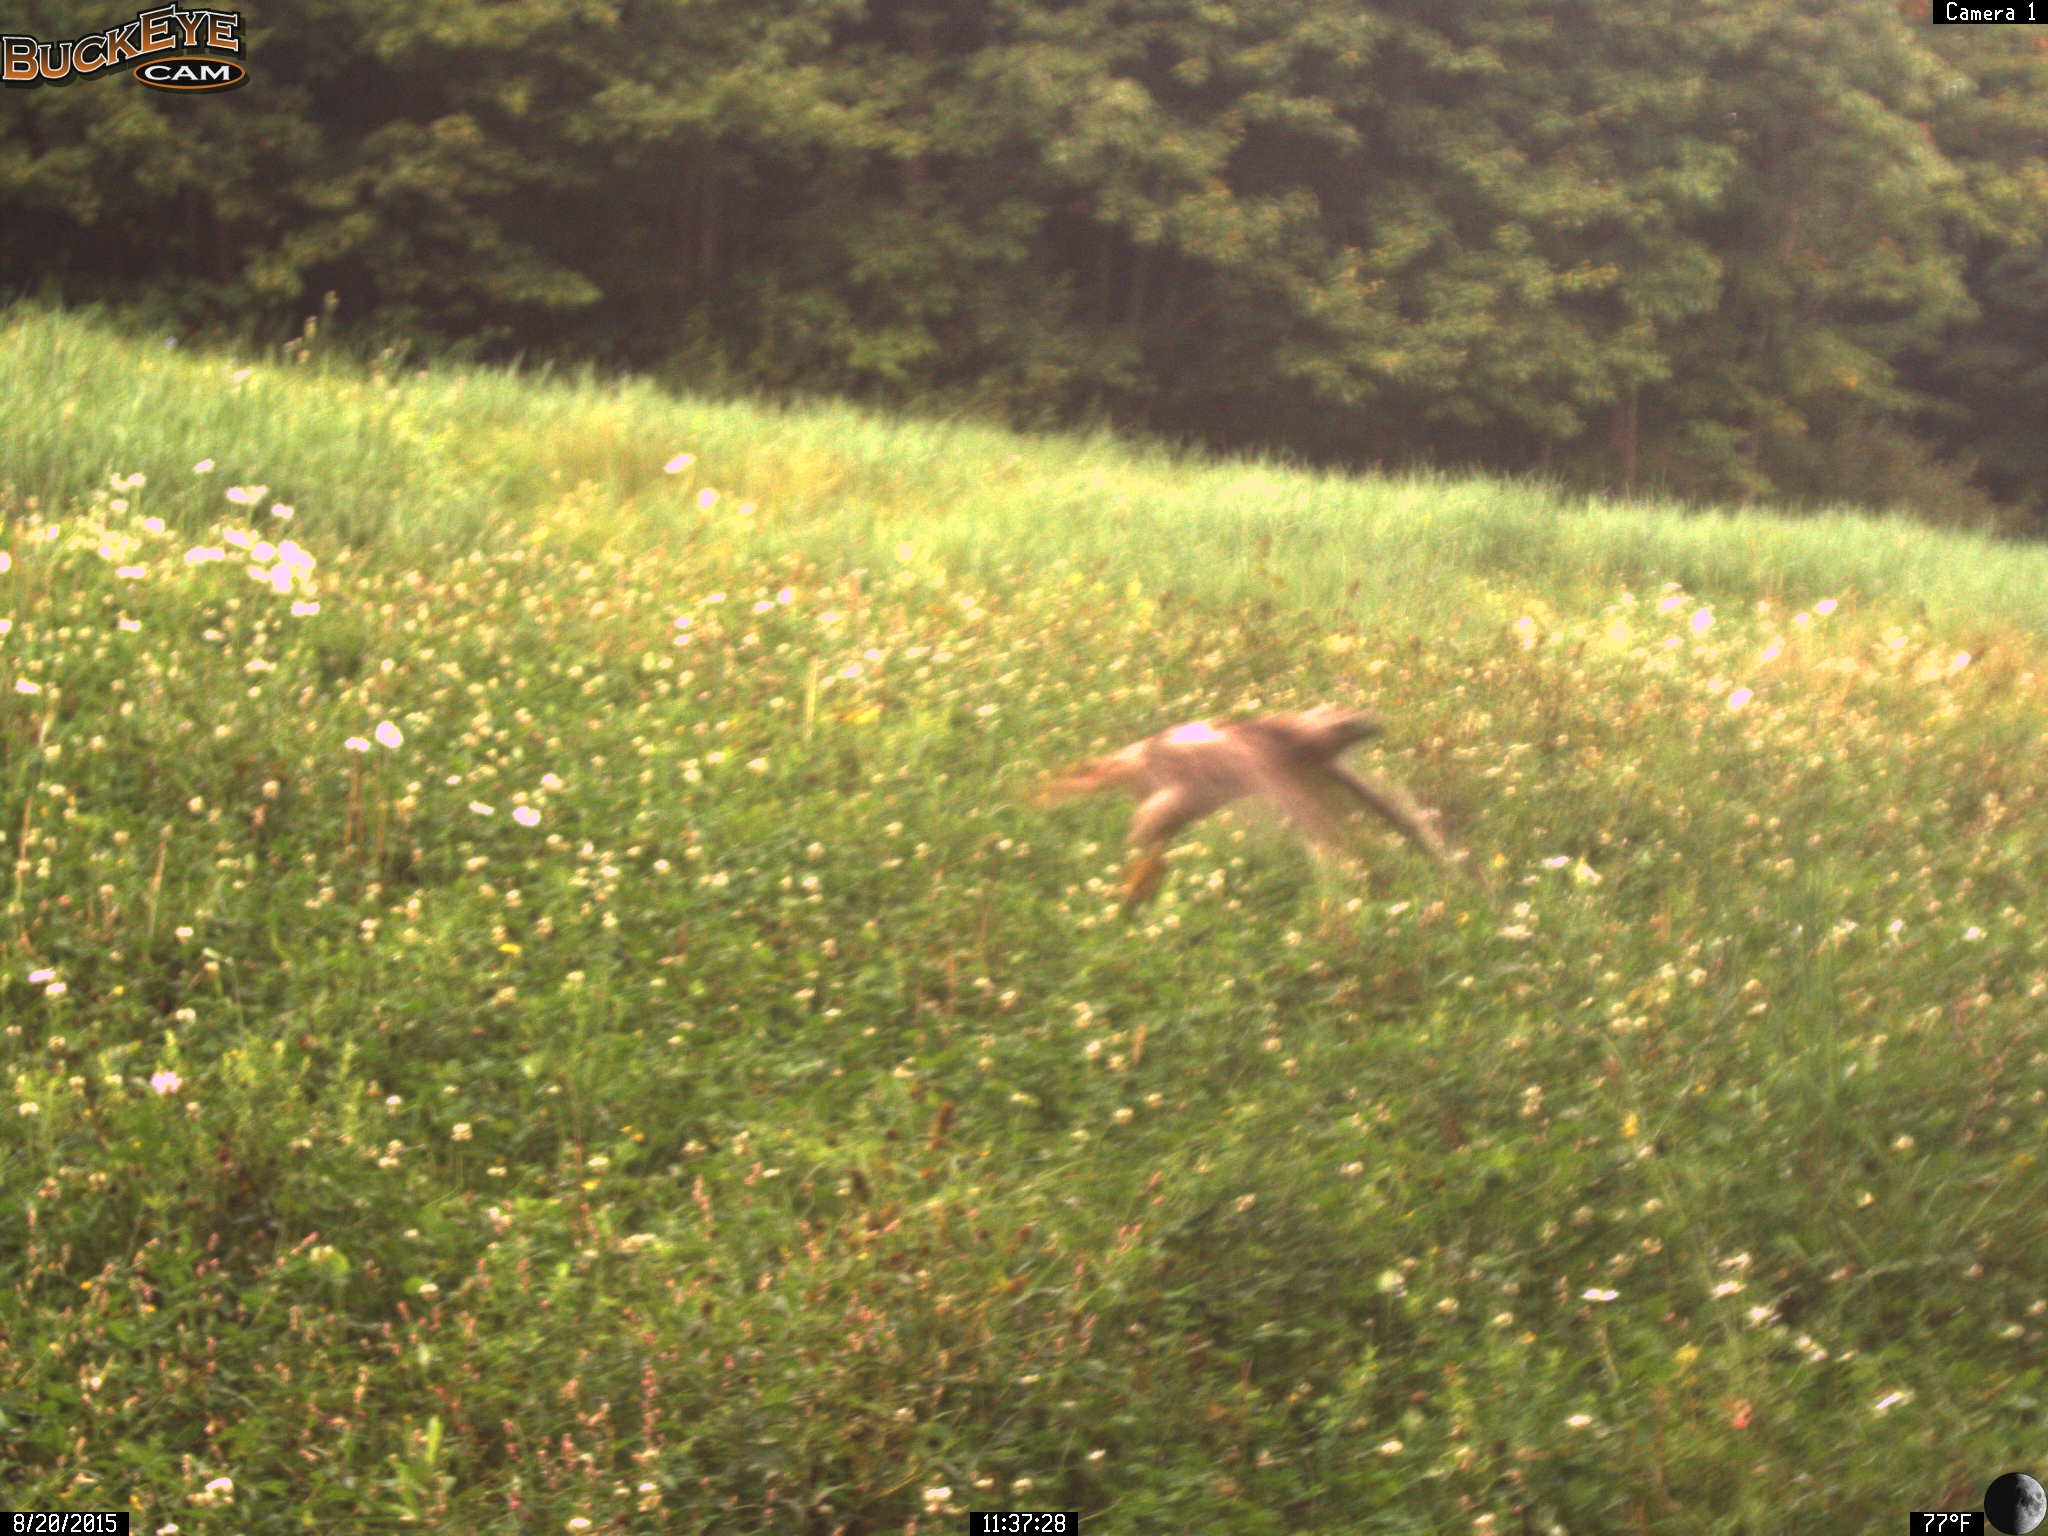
(2015, 1504)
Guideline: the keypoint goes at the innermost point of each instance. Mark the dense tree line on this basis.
(1725, 247)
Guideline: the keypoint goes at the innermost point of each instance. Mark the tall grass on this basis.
(464, 456)
(544, 1004)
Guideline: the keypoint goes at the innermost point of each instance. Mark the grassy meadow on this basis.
(534, 995)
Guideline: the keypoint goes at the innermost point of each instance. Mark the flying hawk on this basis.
(1181, 775)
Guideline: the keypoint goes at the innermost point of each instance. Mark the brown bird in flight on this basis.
(1181, 775)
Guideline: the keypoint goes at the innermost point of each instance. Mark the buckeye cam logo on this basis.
(167, 49)
(193, 73)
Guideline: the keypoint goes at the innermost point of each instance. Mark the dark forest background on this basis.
(1723, 249)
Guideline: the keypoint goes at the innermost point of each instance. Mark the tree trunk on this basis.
(708, 210)
(1621, 437)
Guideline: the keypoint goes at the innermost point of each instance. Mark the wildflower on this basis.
(1702, 620)
(679, 463)
(356, 744)
(23, 685)
(526, 816)
(938, 1498)
(293, 566)
(1890, 1401)
(460, 1131)
(1596, 1294)
(1824, 607)
(166, 1081)
(1739, 697)
(388, 735)
(6, 561)
(481, 809)
(282, 511)
(706, 499)
(200, 554)
(203, 467)
(1579, 1420)
(245, 495)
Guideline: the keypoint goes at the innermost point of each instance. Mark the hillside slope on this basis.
(535, 995)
